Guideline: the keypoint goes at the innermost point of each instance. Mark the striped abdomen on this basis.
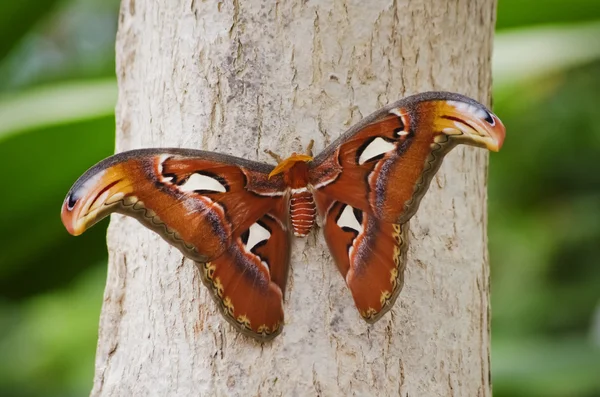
(302, 212)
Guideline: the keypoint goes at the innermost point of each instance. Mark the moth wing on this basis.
(218, 210)
(248, 279)
(384, 164)
(370, 182)
(370, 254)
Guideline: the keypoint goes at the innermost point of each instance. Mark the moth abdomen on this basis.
(302, 212)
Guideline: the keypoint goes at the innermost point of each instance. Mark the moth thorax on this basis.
(302, 212)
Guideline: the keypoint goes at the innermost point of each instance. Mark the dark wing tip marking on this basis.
(71, 201)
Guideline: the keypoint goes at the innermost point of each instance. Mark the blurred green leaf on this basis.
(73, 42)
(70, 135)
(56, 104)
(523, 54)
(36, 251)
(545, 367)
(545, 205)
(48, 343)
(519, 13)
(18, 17)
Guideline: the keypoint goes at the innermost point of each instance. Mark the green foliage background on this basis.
(57, 96)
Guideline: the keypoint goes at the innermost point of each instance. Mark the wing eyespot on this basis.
(256, 236)
(71, 201)
(489, 119)
(203, 182)
(350, 219)
(374, 149)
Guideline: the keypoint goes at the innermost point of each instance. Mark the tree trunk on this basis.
(242, 76)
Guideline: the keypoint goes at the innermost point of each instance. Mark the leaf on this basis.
(52, 338)
(18, 17)
(522, 54)
(36, 253)
(516, 13)
(545, 367)
(56, 104)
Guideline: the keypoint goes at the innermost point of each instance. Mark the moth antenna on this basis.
(274, 155)
(309, 148)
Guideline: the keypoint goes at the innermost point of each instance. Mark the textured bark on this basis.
(238, 77)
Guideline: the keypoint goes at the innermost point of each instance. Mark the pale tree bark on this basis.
(244, 75)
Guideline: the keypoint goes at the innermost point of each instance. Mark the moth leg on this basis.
(309, 148)
(274, 155)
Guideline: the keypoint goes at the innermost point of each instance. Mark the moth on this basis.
(236, 217)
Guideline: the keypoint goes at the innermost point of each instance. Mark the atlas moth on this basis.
(236, 217)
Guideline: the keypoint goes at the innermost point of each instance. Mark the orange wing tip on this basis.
(89, 202)
(498, 133)
(471, 122)
(69, 220)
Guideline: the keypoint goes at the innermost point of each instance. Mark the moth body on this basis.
(303, 211)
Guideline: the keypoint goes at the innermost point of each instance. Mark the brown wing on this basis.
(381, 169)
(370, 254)
(248, 280)
(385, 163)
(218, 210)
